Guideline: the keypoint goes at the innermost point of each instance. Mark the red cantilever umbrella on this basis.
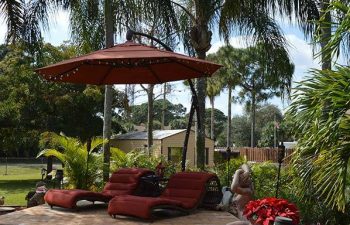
(128, 63)
(131, 63)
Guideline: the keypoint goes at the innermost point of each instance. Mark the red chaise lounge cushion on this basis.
(184, 190)
(122, 182)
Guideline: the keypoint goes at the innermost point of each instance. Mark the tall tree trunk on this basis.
(229, 126)
(88, 148)
(163, 110)
(212, 118)
(200, 39)
(326, 32)
(49, 165)
(150, 118)
(108, 92)
(200, 134)
(252, 119)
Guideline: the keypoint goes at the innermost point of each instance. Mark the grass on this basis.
(20, 179)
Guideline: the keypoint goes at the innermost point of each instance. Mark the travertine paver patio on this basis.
(97, 215)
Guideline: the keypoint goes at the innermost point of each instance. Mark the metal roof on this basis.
(142, 135)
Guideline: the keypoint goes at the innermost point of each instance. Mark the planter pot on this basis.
(283, 221)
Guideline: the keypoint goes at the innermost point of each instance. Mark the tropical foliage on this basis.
(172, 111)
(140, 159)
(30, 106)
(339, 19)
(259, 76)
(320, 113)
(82, 162)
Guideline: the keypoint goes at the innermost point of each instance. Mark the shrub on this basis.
(81, 167)
(264, 179)
(136, 158)
(221, 170)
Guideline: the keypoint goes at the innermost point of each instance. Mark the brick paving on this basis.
(97, 215)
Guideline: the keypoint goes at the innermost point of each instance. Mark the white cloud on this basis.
(302, 56)
(237, 42)
(58, 28)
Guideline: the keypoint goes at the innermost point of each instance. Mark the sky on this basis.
(300, 51)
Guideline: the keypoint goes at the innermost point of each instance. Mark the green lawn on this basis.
(20, 179)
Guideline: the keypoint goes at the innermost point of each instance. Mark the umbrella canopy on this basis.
(128, 63)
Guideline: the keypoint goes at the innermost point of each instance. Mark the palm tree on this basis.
(213, 90)
(320, 108)
(233, 62)
(265, 77)
(339, 40)
(82, 167)
(259, 75)
(252, 18)
(195, 20)
(13, 13)
(320, 111)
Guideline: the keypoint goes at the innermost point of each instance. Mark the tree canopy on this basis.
(30, 105)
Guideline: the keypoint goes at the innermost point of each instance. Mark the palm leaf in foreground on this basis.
(319, 109)
(82, 168)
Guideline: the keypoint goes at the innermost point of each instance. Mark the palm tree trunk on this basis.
(150, 118)
(163, 110)
(108, 92)
(229, 126)
(326, 32)
(212, 118)
(49, 165)
(88, 148)
(200, 134)
(200, 39)
(252, 119)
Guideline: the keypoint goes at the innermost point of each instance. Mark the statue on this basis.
(36, 197)
(242, 187)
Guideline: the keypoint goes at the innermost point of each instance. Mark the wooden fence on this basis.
(264, 154)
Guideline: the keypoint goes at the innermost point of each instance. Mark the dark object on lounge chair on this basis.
(122, 182)
(185, 192)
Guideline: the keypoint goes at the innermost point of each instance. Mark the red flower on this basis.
(264, 211)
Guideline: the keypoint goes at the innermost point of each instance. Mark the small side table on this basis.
(154, 184)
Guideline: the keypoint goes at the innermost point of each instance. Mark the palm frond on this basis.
(340, 39)
(12, 10)
(96, 143)
(54, 153)
(247, 18)
(319, 110)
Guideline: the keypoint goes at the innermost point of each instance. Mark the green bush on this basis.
(312, 209)
(222, 168)
(264, 179)
(136, 158)
(81, 167)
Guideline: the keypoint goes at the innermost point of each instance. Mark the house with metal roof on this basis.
(168, 143)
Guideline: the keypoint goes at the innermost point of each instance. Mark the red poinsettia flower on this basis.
(264, 211)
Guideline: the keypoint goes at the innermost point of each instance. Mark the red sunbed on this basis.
(122, 182)
(185, 191)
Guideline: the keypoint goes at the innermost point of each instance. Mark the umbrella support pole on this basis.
(194, 103)
(194, 107)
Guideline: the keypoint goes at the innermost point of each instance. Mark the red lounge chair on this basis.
(185, 192)
(122, 182)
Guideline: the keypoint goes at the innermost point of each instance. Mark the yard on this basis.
(20, 179)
